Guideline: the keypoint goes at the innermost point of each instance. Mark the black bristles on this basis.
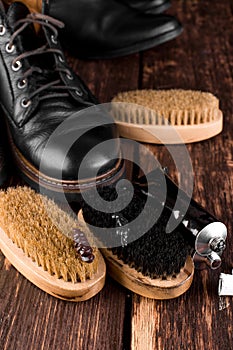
(156, 253)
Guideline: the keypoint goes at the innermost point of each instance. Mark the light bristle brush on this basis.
(147, 115)
(48, 247)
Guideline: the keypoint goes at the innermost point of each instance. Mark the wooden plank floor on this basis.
(116, 319)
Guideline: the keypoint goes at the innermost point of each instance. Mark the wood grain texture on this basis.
(31, 319)
(201, 58)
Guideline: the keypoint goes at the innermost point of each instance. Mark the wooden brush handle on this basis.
(58, 288)
(158, 134)
(156, 288)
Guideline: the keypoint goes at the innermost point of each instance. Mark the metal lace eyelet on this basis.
(69, 76)
(25, 103)
(10, 48)
(61, 59)
(22, 84)
(54, 39)
(78, 92)
(2, 29)
(16, 66)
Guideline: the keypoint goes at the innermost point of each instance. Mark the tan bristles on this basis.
(175, 107)
(167, 116)
(35, 224)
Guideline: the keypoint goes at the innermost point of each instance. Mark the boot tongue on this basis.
(2, 8)
(16, 11)
(28, 38)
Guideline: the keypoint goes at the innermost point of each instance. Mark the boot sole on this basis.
(140, 46)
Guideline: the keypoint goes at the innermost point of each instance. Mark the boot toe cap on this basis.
(83, 146)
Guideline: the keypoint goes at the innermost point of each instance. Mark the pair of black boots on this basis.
(52, 120)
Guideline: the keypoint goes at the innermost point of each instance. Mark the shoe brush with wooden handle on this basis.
(149, 259)
(167, 116)
(48, 246)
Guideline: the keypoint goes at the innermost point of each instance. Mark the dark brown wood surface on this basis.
(201, 58)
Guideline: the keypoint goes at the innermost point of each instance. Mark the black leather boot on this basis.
(105, 29)
(148, 6)
(39, 93)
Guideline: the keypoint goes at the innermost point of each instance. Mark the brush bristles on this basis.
(31, 221)
(163, 107)
(156, 253)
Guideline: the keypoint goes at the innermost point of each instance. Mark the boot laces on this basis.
(54, 85)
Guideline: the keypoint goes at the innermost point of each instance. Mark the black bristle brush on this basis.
(156, 263)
